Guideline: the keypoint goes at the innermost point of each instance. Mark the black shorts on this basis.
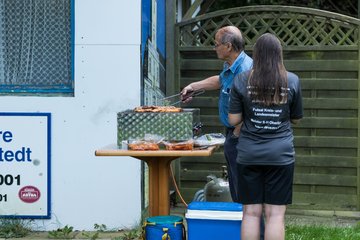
(268, 184)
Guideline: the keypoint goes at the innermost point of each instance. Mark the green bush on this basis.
(14, 228)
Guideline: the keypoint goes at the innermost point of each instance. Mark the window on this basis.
(36, 47)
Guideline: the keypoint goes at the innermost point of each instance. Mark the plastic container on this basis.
(214, 220)
(164, 227)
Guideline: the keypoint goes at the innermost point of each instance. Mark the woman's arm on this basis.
(235, 118)
(295, 121)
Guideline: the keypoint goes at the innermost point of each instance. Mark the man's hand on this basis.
(186, 90)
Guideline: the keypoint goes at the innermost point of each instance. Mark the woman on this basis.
(266, 100)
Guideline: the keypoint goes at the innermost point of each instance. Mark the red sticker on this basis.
(29, 194)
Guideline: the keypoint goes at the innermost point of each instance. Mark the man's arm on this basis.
(210, 83)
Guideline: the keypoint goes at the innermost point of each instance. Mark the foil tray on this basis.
(171, 126)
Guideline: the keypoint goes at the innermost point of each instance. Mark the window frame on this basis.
(48, 90)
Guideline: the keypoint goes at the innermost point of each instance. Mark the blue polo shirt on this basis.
(242, 63)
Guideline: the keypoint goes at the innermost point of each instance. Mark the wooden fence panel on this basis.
(322, 49)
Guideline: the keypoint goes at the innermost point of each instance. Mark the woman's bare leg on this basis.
(250, 226)
(275, 222)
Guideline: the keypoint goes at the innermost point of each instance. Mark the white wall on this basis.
(86, 189)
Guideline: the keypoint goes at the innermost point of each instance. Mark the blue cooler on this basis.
(214, 220)
(164, 228)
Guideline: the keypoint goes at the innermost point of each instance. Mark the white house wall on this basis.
(88, 190)
(108, 21)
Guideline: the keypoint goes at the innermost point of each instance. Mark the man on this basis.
(229, 46)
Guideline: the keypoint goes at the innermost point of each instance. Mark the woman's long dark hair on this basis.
(268, 82)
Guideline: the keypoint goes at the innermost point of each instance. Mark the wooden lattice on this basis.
(295, 26)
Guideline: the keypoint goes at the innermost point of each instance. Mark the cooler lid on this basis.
(214, 215)
(166, 219)
(215, 206)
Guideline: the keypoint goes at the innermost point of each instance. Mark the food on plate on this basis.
(209, 139)
(157, 109)
(186, 145)
(143, 146)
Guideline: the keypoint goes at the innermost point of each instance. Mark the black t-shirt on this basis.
(266, 136)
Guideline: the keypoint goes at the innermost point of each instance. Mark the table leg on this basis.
(153, 187)
(159, 199)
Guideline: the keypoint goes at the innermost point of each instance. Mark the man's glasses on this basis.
(216, 45)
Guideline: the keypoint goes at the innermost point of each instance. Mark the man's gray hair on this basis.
(231, 34)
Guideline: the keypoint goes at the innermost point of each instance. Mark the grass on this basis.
(318, 232)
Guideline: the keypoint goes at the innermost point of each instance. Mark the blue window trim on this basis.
(35, 89)
(59, 90)
(72, 43)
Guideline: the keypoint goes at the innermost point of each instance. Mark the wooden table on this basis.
(159, 164)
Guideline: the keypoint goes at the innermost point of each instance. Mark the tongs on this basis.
(183, 98)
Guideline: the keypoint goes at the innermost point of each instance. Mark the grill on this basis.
(176, 126)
